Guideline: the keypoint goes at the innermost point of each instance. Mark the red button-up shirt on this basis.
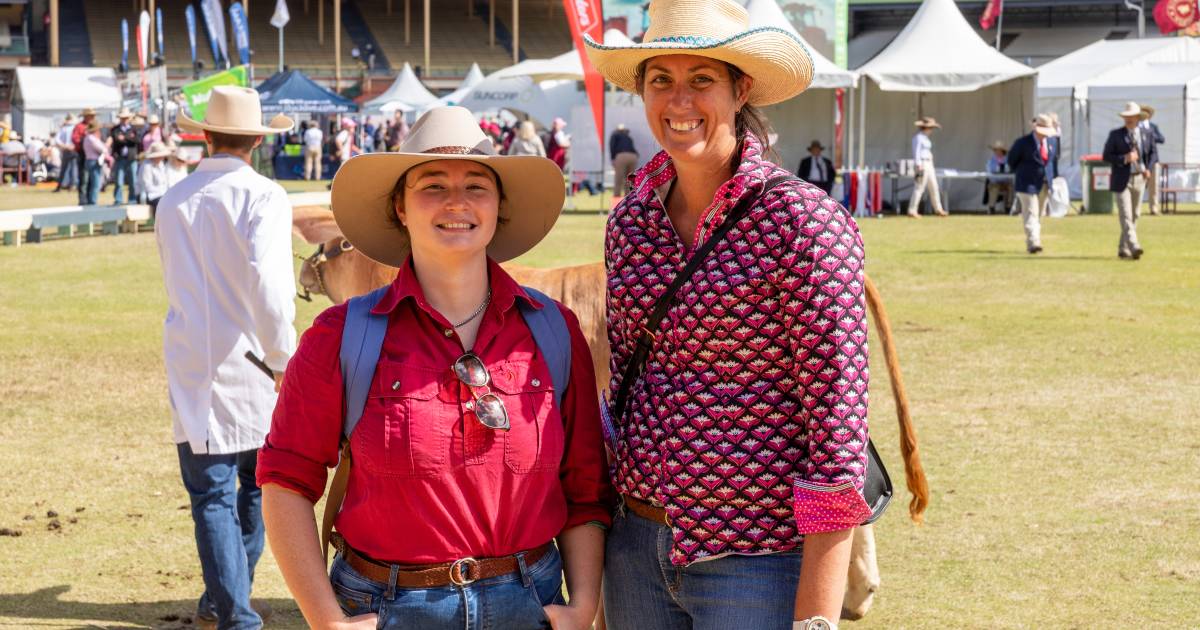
(428, 482)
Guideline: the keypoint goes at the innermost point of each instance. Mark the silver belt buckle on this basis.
(460, 571)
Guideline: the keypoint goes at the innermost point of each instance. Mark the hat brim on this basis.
(1046, 131)
(152, 155)
(923, 125)
(1130, 112)
(778, 62)
(278, 124)
(361, 200)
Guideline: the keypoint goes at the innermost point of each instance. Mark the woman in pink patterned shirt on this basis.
(740, 447)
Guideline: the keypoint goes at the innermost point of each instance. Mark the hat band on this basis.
(692, 40)
(455, 150)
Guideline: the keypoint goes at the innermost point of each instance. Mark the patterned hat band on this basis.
(455, 150)
(692, 40)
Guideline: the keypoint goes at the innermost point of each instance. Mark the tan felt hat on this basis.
(1147, 111)
(236, 111)
(362, 188)
(158, 150)
(999, 146)
(776, 59)
(927, 122)
(1131, 109)
(1043, 124)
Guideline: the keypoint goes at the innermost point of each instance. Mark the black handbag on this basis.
(877, 486)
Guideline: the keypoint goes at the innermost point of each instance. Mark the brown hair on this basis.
(747, 120)
(396, 199)
(231, 142)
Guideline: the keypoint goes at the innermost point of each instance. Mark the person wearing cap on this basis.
(225, 242)
(728, 521)
(1130, 150)
(153, 175)
(69, 174)
(999, 188)
(124, 145)
(1033, 159)
(86, 118)
(624, 157)
(1150, 128)
(817, 169)
(922, 149)
(95, 154)
(464, 468)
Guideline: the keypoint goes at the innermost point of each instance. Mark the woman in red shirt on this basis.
(465, 469)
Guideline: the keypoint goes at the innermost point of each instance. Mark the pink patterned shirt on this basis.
(749, 422)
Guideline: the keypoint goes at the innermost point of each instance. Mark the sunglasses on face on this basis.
(488, 407)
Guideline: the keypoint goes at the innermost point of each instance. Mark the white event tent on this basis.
(812, 114)
(474, 77)
(938, 66)
(406, 93)
(43, 96)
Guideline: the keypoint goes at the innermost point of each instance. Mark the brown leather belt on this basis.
(460, 572)
(646, 510)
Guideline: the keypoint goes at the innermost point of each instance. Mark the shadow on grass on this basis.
(47, 603)
(991, 254)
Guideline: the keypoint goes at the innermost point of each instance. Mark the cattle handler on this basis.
(225, 240)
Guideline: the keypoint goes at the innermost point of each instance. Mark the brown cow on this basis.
(347, 273)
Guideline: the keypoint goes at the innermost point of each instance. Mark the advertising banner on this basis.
(197, 92)
(190, 14)
(587, 17)
(241, 31)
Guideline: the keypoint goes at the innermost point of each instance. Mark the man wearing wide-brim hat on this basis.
(999, 187)
(225, 240)
(86, 116)
(68, 176)
(125, 153)
(1149, 127)
(1130, 150)
(922, 151)
(817, 169)
(1034, 163)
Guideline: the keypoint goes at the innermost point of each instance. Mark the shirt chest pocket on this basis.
(405, 429)
(535, 440)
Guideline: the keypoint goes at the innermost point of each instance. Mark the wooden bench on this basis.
(1168, 196)
(12, 223)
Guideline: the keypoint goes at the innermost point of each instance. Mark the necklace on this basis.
(486, 300)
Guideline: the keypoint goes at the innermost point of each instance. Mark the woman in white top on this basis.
(527, 141)
(153, 174)
(177, 167)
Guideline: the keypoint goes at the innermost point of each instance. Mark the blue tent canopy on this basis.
(292, 91)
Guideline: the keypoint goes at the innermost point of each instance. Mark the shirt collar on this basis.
(505, 290)
(221, 163)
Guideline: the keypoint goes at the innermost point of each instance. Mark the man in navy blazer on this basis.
(1033, 160)
(1132, 153)
(817, 169)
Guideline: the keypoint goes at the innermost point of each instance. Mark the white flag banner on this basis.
(281, 17)
(144, 35)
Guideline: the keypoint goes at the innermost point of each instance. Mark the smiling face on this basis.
(450, 209)
(691, 105)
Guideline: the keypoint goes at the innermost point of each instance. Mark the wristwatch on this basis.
(814, 623)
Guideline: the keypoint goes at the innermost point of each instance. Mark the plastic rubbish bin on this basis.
(1097, 198)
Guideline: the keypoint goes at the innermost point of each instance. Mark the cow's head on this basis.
(335, 269)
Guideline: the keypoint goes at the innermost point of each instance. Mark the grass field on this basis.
(1056, 399)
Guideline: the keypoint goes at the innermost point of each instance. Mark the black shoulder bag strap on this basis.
(646, 334)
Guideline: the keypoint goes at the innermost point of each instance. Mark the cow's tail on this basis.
(914, 472)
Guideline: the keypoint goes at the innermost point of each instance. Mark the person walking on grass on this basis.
(1033, 159)
(1131, 152)
(922, 150)
(712, 534)
(225, 241)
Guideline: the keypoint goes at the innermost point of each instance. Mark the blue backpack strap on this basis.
(362, 340)
(552, 337)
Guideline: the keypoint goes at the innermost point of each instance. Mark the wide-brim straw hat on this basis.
(999, 146)
(1044, 125)
(124, 113)
(181, 154)
(158, 150)
(1147, 111)
(1131, 109)
(88, 111)
(362, 188)
(775, 58)
(235, 111)
(153, 120)
(927, 122)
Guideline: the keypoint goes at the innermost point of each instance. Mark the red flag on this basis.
(587, 16)
(990, 13)
(1174, 15)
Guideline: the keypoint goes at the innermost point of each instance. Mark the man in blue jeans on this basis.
(124, 150)
(225, 241)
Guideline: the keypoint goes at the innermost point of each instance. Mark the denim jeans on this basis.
(89, 187)
(124, 175)
(507, 602)
(68, 176)
(229, 531)
(85, 179)
(643, 591)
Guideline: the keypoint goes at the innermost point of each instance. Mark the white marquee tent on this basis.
(406, 93)
(938, 66)
(474, 77)
(45, 95)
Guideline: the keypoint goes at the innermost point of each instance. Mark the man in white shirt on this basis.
(224, 239)
(68, 176)
(344, 140)
(922, 148)
(313, 139)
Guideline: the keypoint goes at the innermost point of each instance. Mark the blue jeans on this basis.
(643, 591)
(229, 531)
(91, 180)
(84, 178)
(124, 174)
(69, 175)
(508, 602)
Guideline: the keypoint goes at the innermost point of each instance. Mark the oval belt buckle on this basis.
(460, 571)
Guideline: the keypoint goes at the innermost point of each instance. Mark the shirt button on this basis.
(449, 332)
(537, 383)
(395, 385)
